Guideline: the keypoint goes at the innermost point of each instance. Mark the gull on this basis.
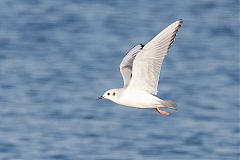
(140, 70)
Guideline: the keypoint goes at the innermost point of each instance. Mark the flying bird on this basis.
(140, 70)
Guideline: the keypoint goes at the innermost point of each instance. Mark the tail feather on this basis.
(169, 104)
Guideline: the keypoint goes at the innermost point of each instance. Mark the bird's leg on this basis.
(162, 112)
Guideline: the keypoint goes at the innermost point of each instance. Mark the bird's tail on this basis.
(169, 104)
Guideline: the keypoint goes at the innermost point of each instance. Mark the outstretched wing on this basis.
(126, 64)
(147, 64)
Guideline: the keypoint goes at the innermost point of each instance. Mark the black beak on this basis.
(101, 97)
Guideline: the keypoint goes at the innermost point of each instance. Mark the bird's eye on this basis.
(114, 93)
(108, 94)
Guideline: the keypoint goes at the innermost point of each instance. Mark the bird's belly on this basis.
(138, 100)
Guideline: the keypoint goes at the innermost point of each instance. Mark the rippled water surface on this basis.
(56, 57)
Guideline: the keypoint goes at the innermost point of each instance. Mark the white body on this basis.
(138, 99)
(140, 70)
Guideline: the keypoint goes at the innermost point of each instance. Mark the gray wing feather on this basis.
(127, 62)
(147, 64)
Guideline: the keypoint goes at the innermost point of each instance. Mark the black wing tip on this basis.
(180, 23)
(141, 45)
(175, 33)
(180, 20)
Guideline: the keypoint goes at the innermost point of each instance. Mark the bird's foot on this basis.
(162, 112)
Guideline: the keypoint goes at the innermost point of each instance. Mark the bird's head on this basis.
(109, 94)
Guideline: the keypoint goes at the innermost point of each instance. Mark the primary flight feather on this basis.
(140, 70)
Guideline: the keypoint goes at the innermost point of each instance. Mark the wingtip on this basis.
(142, 45)
(180, 20)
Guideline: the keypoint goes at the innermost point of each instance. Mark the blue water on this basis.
(56, 57)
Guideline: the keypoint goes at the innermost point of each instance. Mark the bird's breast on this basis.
(138, 100)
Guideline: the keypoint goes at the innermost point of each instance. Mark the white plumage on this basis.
(140, 70)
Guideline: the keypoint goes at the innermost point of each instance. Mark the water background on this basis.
(56, 57)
